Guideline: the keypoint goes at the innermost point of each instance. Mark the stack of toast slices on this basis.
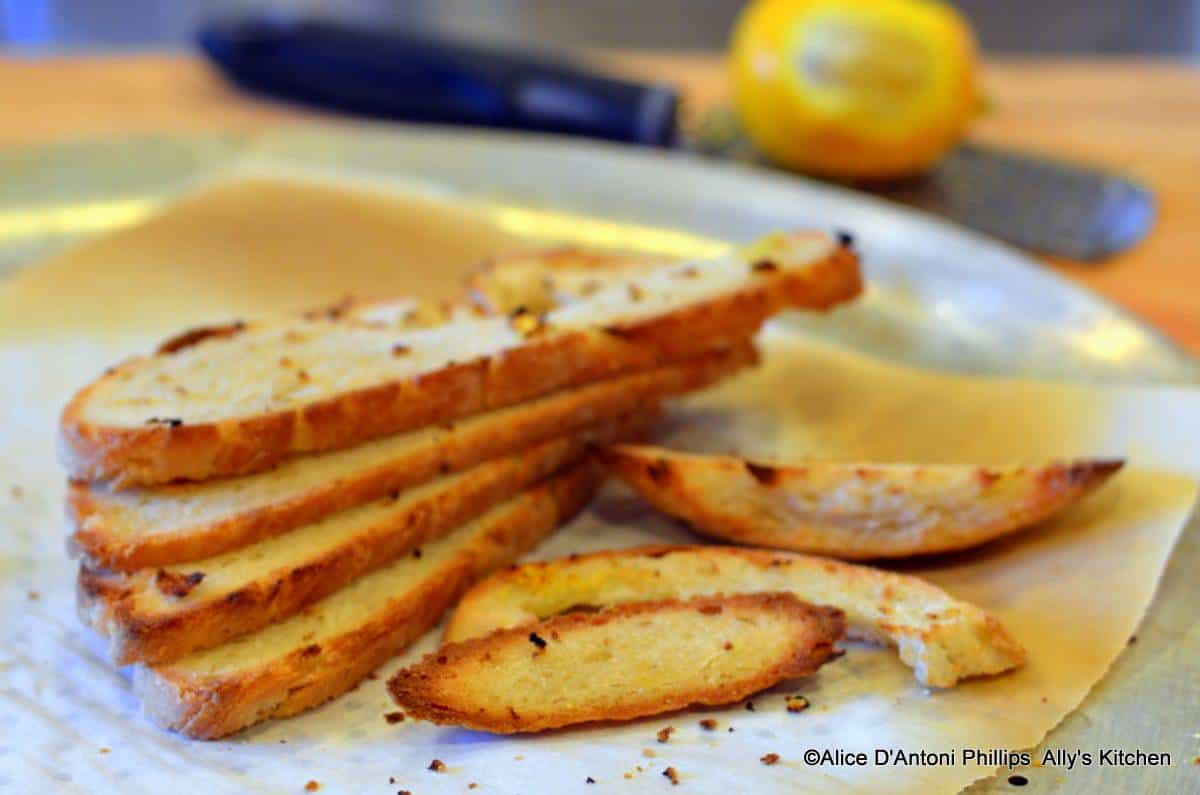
(267, 512)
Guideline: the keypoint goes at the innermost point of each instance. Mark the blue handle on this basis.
(404, 76)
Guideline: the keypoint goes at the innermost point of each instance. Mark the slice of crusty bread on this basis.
(147, 527)
(322, 652)
(625, 662)
(942, 638)
(242, 402)
(159, 615)
(542, 280)
(854, 511)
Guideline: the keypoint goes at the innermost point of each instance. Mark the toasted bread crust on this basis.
(943, 639)
(853, 511)
(164, 451)
(213, 705)
(146, 624)
(432, 689)
(104, 535)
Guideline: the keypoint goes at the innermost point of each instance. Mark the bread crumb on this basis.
(105, 749)
(519, 757)
(664, 734)
(797, 703)
(312, 786)
(437, 766)
(648, 752)
(472, 785)
(33, 596)
(769, 759)
(628, 774)
(16, 492)
(589, 780)
(708, 724)
(672, 774)
(394, 717)
(750, 706)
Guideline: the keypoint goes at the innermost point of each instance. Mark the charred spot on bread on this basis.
(764, 266)
(764, 474)
(170, 422)
(190, 337)
(176, 584)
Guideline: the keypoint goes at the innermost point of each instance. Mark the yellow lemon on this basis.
(854, 88)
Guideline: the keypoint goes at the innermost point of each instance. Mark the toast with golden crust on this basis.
(299, 663)
(542, 280)
(155, 616)
(943, 639)
(626, 662)
(138, 528)
(242, 402)
(853, 511)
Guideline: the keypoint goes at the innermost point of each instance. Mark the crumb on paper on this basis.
(312, 786)
(32, 596)
(665, 733)
(394, 717)
(672, 775)
(797, 703)
(472, 785)
(589, 780)
(649, 753)
(750, 706)
(104, 749)
(519, 757)
(769, 759)
(16, 492)
(437, 766)
(708, 724)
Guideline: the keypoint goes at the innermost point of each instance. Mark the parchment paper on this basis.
(1072, 591)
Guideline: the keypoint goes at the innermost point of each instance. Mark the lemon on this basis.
(854, 88)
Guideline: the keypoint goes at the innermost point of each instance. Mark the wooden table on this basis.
(1139, 116)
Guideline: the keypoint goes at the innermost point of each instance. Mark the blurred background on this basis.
(1159, 27)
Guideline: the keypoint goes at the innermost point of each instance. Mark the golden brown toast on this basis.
(943, 639)
(242, 402)
(853, 511)
(625, 662)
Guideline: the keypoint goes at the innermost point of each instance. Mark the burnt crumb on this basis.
(665, 733)
(708, 724)
(403, 792)
(170, 583)
(730, 730)
(394, 717)
(765, 475)
(769, 759)
(589, 780)
(845, 239)
(391, 779)
(537, 640)
(796, 703)
(1018, 780)
(635, 293)
(672, 775)
(170, 422)
(764, 266)
(437, 766)
(399, 350)
(416, 553)
(749, 706)
(312, 786)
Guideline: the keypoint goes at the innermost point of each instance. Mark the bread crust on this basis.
(943, 639)
(209, 706)
(853, 511)
(432, 689)
(146, 622)
(105, 534)
(161, 452)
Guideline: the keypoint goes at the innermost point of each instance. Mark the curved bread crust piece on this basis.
(943, 639)
(239, 404)
(145, 527)
(316, 655)
(854, 511)
(626, 662)
(542, 280)
(159, 615)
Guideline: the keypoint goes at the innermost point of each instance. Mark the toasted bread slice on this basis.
(942, 638)
(543, 280)
(320, 653)
(159, 615)
(626, 662)
(241, 403)
(854, 511)
(148, 527)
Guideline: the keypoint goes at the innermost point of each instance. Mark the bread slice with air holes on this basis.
(159, 615)
(296, 664)
(229, 405)
(156, 526)
(626, 662)
(854, 511)
(943, 639)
